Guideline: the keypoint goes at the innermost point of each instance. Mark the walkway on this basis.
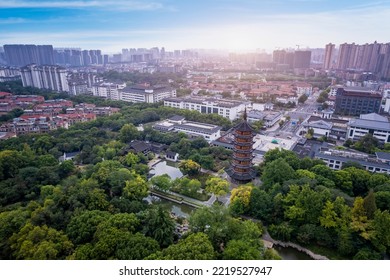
(153, 162)
(185, 199)
(269, 239)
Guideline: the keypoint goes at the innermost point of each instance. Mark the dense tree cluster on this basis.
(305, 201)
(94, 208)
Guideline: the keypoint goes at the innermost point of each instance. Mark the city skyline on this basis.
(222, 24)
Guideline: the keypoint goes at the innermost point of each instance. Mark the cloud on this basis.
(255, 30)
(13, 20)
(128, 5)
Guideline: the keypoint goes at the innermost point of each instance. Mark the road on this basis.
(296, 116)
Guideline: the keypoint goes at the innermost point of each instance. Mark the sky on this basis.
(235, 25)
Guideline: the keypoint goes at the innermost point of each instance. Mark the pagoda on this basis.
(241, 170)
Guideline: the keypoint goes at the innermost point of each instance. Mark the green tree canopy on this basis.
(159, 225)
(278, 171)
(189, 167)
(161, 182)
(217, 186)
(128, 132)
(40, 243)
(240, 250)
(82, 227)
(136, 188)
(196, 246)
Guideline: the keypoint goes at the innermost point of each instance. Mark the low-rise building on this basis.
(108, 90)
(320, 128)
(230, 109)
(255, 115)
(209, 132)
(374, 124)
(268, 117)
(286, 100)
(68, 156)
(172, 156)
(331, 128)
(40, 124)
(77, 118)
(336, 158)
(303, 88)
(272, 118)
(147, 94)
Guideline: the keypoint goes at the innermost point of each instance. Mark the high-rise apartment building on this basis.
(45, 77)
(290, 60)
(302, 59)
(278, 56)
(329, 55)
(346, 56)
(374, 58)
(21, 55)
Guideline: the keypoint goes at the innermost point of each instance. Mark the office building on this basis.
(356, 100)
(230, 109)
(146, 93)
(374, 124)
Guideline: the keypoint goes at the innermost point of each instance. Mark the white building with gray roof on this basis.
(230, 109)
(336, 158)
(320, 127)
(147, 94)
(209, 132)
(373, 123)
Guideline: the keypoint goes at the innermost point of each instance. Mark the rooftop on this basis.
(143, 89)
(210, 101)
(207, 128)
(176, 118)
(319, 124)
(383, 155)
(371, 121)
(362, 159)
(374, 117)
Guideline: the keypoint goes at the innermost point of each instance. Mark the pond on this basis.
(165, 167)
(289, 253)
(180, 210)
(183, 210)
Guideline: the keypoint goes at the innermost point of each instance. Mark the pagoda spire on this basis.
(245, 115)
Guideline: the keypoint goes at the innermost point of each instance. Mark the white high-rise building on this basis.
(45, 77)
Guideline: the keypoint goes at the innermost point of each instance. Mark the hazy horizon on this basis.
(244, 25)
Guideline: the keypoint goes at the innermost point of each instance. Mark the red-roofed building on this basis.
(57, 103)
(5, 94)
(77, 118)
